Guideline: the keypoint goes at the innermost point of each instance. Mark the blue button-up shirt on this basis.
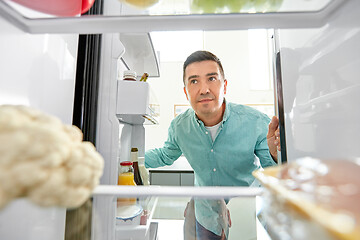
(229, 160)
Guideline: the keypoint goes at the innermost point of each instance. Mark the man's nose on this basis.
(204, 88)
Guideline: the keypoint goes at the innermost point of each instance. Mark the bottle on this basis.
(144, 173)
(144, 77)
(134, 159)
(126, 177)
(129, 75)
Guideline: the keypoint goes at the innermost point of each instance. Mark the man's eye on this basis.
(193, 81)
(212, 78)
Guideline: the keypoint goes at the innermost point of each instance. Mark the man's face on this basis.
(205, 87)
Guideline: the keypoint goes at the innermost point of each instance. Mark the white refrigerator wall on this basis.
(37, 71)
(114, 139)
(321, 87)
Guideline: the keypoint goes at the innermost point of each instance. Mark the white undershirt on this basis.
(213, 130)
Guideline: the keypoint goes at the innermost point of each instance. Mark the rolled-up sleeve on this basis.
(166, 155)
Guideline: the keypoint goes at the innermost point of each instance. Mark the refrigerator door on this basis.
(320, 85)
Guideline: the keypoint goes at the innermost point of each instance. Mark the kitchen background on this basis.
(246, 59)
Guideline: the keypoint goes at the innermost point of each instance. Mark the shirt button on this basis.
(214, 169)
(207, 132)
(212, 150)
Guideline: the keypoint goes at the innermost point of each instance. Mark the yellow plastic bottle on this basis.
(126, 177)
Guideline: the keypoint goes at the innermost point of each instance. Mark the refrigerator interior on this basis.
(319, 75)
(320, 87)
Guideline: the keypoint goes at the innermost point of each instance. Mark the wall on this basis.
(232, 47)
(37, 71)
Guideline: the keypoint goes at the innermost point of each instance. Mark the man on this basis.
(219, 139)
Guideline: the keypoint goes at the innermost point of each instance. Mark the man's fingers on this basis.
(273, 126)
(229, 218)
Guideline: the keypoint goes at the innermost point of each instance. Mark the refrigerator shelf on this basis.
(200, 192)
(138, 22)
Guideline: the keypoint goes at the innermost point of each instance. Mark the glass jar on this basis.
(126, 177)
(126, 173)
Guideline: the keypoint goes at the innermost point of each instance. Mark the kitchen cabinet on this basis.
(179, 173)
(187, 179)
(171, 178)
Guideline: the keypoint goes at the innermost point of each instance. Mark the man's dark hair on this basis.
(200, 56)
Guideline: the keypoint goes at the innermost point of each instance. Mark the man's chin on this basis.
(205, 111)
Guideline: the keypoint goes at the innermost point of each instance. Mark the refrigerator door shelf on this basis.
(133, 103)
(140, 55)
(137, 119)
(136, 231)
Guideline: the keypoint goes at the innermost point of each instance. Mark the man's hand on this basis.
(273, 137)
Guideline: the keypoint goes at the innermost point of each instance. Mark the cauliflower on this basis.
(45, 160)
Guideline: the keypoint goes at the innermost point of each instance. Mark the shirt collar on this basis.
(227, 111)
(225, 116)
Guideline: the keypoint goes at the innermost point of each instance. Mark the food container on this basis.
(312, 199)
(129, 215)
(129, 75)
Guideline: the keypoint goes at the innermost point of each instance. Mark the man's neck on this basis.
(213, 118)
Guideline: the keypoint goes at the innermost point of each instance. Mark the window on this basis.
(259, 60)
(177, 46)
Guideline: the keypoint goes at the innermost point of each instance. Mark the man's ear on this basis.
(225, 86)
(186, 94)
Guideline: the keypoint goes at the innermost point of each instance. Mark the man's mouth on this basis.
(205, 100)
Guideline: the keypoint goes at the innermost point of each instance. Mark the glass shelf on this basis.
(186, 7)
(121, 16)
